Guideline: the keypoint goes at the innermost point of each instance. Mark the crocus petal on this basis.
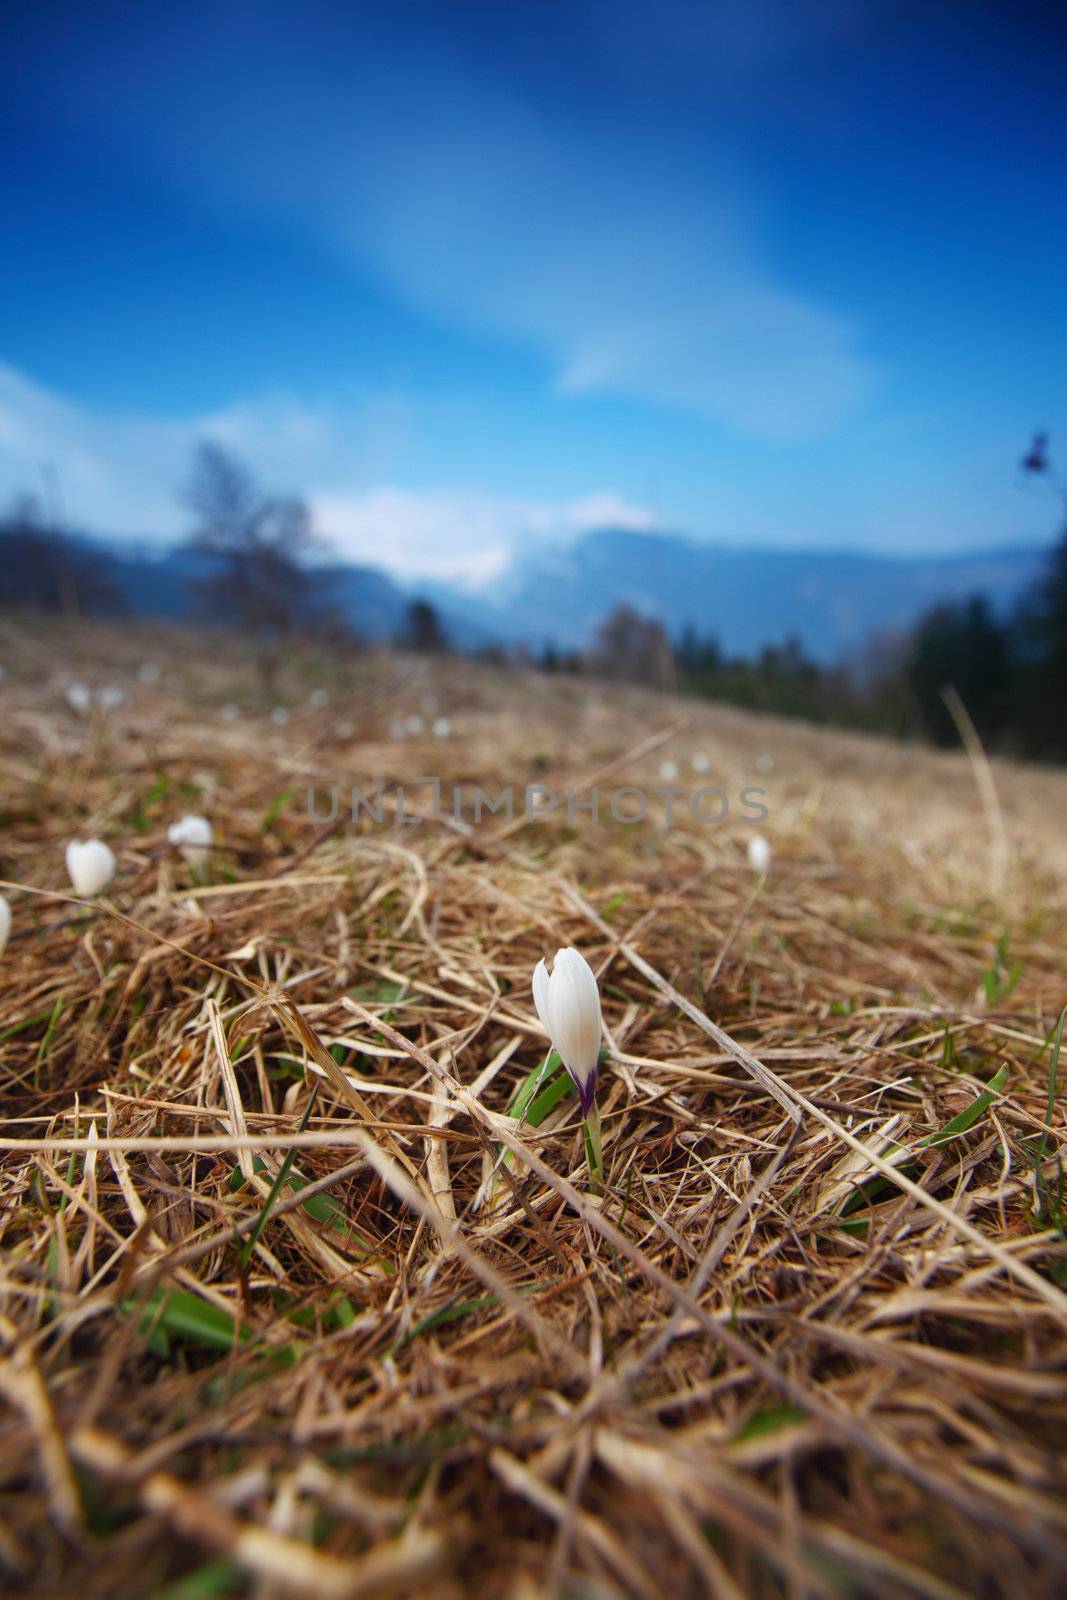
(759, 853)
(5, 923)
(91, 865)
(575, 1009)
(193, 836)
(541, 983)
(568, 1004)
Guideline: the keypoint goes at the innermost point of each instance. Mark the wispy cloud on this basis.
(121, 476)
(461, 536)
(625, 266)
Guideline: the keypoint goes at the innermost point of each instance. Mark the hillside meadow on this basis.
(292, 1303)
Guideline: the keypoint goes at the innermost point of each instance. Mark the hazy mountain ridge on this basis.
(833, 601)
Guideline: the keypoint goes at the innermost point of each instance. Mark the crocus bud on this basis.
(80, 698)
(759, 854)
(568, 1005)
(5, 923)
(193, 836)
(91, 865)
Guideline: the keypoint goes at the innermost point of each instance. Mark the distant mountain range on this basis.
(745, 597)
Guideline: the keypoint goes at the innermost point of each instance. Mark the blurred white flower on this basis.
(230, 712)
(759, 854)
(148, 672)
(765, 762)
(318, 697)
(91, 866)
(110, 697)
(79, 698)
(343, 730)
(699, 762)
(279, 716)
(568, 1005)
(668, 771)
(413, 724)
(193, 836)
(5, 923)
(441, 728)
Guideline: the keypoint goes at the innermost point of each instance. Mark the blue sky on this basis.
(471, 275)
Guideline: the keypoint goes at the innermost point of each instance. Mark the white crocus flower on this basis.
(700, 762)
(110, 697)
(230, 712)
(759, 854)
(193, 836)
(80, 698)
(319, 698)
(5, 923)
(568, 1005)
(668, 771)
(442, 728)
(279, 716)
(91, 865)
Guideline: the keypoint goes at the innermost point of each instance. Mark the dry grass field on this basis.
(290, 1305)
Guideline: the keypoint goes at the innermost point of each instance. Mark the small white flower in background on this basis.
(765, 762)
(5, 923)
(193, 836)
(759, 854)
(148, 672)
(279, 716)
(91, 865)
(700, 762)
(110, 697)
(343, 730)
(230, 712)
(318, 697)
(441, 728)
(568, 1005)
(413, 724)
(79, 698)
(668, 771)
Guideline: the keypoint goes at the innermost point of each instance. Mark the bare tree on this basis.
(44, 567)
(259, 547)
(422, 630)
(634, 647)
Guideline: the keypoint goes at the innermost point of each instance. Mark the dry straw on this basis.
(300, 1294)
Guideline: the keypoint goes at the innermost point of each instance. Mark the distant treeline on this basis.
(1010, 672)
(257, 572)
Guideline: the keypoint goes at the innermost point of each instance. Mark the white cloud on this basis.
(461, 536)
(119, 476)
